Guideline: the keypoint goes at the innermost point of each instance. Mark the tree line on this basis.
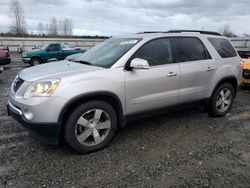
(55, 28)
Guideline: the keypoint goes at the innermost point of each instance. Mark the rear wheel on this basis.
(91, 126)
(222, 100)
(35, 61)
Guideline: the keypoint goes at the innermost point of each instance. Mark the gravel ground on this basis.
(181, 149)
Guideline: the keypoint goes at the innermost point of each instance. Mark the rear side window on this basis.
(156, 52)
(223, 47)
(190, 49)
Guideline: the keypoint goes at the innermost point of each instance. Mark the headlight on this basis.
(24, 54)
(43, 88)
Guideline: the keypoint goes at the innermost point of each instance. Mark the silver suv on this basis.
(85, 102)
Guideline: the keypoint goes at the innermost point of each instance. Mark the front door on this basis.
(156, 87)
(53, 52)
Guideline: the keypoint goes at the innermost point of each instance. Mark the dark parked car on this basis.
(4, 59)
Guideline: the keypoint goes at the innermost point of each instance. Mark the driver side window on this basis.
(156, 52)
(53, 48)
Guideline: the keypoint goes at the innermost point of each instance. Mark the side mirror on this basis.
(139, 63)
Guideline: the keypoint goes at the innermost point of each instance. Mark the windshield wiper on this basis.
(83, 62)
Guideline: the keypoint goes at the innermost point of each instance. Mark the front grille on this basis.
(246, 74)
(17, 84)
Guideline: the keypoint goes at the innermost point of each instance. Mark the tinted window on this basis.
(190, 49)
(223, 47)
(53, 47)
(156, 52)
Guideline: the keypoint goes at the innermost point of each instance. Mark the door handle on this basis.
(171, 74)
(210, 69)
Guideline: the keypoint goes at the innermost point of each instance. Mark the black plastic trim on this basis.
(228, 79)
(48, 133)
(195, 31)
(183, 31)
(164, 110)
(93, 95)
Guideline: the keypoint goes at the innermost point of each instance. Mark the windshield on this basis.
(108, 52)
(44, 47)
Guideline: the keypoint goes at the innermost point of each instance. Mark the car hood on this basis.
(73, 57)
(37, 50)
(59, 69)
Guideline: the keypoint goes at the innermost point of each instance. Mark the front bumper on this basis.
(26, 59)
(45, 132)
(245, 77)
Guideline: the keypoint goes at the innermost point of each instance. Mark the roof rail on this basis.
(194, 31)
(148, 32)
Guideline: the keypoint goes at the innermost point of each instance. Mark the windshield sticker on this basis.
(129, 42)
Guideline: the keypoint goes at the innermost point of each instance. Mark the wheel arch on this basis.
(230, 79)
(108, 97)
(36, 57)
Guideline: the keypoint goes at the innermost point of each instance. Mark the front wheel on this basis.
(35, 61)
(222, 100)
(90, 126)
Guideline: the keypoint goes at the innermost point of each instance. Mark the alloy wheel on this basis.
(224, 100)
(92, 127)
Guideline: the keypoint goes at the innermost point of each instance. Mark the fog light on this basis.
(28, 115)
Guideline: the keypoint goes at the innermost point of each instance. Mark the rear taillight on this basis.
(6, 54)
(242, 65)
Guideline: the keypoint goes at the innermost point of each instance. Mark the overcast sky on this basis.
(117, 17)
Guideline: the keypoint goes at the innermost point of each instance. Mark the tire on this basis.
(90, 126)
(220, 105)
(35, 61)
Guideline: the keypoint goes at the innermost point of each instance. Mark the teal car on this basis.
(49, 52)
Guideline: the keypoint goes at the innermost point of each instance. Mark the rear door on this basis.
(158, 86)
(196, 67)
